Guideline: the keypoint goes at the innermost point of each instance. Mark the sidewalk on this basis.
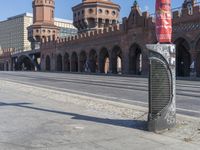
(38, 118)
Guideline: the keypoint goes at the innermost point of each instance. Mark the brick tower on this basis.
(95, 14)
(43, 27)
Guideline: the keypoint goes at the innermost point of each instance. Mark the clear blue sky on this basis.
(10, 8)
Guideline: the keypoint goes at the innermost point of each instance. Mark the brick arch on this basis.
(48, 63)
(182, 36)
(197, 44)
(183, 57)
(198, 64)
(66, 62)
(59, 62)
(82, 61)
(25, 63)
(135, 59)
(197, 61)
(116, 60)
(7, 66)
(74, 62)
(104, 61)
(93, 61)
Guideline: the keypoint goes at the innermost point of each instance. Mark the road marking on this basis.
(129, 86)
(192, 111)
(96, 95)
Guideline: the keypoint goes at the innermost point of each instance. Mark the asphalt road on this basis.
(131, 90)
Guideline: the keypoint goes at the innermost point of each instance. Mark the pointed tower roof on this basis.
(135, 4)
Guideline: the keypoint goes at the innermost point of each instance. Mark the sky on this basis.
(63, 10)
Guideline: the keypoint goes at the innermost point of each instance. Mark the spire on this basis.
(135, 4)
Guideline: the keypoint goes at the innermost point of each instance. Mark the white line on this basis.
(193, 111)
(106, 97)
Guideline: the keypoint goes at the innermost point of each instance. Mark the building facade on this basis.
(120, 48)
(14, 37)
(66, 27)
(95, 14)
(109, 47)
(14, 34)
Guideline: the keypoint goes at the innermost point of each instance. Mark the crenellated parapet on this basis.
(185, 19)
(81, 36)
(137, 23)
(186, 15)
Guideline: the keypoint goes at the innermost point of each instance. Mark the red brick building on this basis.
(120, 48)
(105, 46)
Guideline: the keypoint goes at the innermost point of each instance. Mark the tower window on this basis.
(190, 9)
(100, 11)
(107, 12)
(113, 13)
(52, 14)
(90, 11)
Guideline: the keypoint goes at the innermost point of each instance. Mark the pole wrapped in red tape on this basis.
(163, 21)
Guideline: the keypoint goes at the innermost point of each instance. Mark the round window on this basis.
(113, 13)
(107, 12)
(90, 11)
(100, 11)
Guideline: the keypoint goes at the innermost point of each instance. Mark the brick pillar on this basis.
(78, 63)
(193, 64)
(53, 62)
(63, 62)
(145, 62)
(110, 62)
(198, 64)
(125, 62)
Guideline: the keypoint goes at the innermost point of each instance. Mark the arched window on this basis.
(52, 14)
(190, 8)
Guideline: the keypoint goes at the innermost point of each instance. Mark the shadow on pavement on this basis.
(136, 124)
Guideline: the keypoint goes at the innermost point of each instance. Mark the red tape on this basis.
(163, 21)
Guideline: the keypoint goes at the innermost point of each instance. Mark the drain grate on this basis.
(160, 90)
